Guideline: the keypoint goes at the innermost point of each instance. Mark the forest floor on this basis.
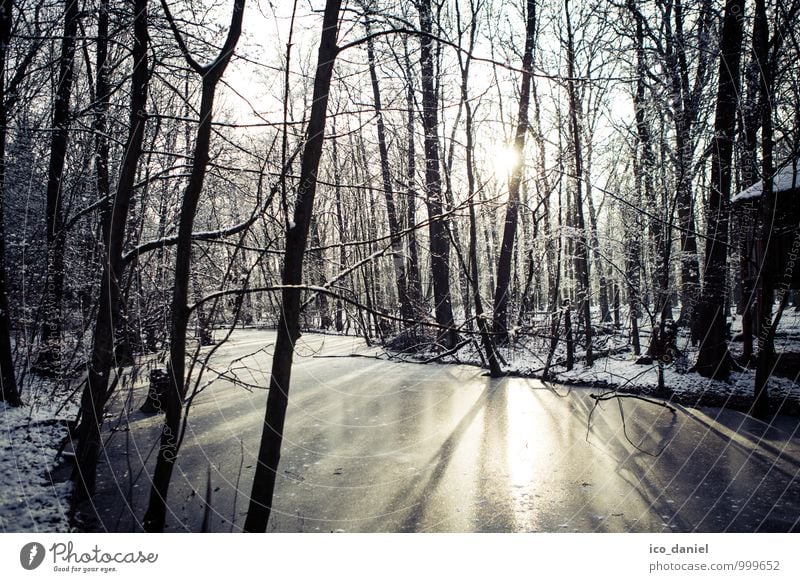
(33, 495)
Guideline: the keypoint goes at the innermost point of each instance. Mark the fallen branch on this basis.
(449, 352)
(613, 395)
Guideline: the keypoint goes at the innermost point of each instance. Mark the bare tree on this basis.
(398, 258)
(269, 452)
(501, 293)
(210, 74)
(115, 220)
(581, 247)
(49, 359)
(8, 383)
(764, 285)
(714, 359)
(474, 266)
(439, 239)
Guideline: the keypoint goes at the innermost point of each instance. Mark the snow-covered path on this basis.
(377, 446)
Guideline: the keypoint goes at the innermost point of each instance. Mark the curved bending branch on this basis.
(198, 68)
(614, 395)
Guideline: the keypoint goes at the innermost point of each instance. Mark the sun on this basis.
(504, 159)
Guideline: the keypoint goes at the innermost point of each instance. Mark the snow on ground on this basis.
(32, 497)
(684, 387)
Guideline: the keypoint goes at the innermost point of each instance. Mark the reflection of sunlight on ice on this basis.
(463, 484)
(529, 443)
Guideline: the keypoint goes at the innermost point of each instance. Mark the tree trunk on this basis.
(167, 454)
(288, 328)
(581, 261)
(646, 168)
(500, 322)
(8, 383)
(95, 393)
(748, 175)
(474, 268)
(398, 258)
(414, 280)
(439, 239)
(603, 299)
(340, 312)
(48, 361)
(766, 336)
(686, 108)
(714, 360)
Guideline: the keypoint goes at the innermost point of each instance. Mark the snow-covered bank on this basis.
(32, 497)
(687, 388)
(615, 367)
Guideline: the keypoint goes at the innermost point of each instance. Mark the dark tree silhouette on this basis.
(95, 394)
(714, 359)
(211, 74)
(8, 383)
(269, 452)
(512, 206)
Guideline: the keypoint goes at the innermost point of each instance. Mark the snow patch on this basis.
(32, 499)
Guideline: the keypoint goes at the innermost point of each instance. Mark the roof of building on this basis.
(786, 179)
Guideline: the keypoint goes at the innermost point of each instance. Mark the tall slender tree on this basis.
(210, 73)
(49, 359)
(581, 259)
(438, 224)
(8, 383)
(269, 452)
(714, 359)
(764, 285)
(115, 220)
(398, 257)
(504, 261)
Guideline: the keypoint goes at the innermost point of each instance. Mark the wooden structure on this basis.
(776, 257)
(779, 256)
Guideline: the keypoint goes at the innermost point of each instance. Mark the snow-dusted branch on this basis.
(213, 235)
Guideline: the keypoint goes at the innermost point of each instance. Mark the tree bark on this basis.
(107, 322)
(414, 279)
(398, 256)
(48, 361)
(8, 383)
(646, 167)
(340, 312)
(749, 171)
(500, 322)
(474, 268)
(766, 336)
(581, 261)
(686, 108)
(439, 239)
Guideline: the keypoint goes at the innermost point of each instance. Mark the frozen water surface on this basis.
(380, 446)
